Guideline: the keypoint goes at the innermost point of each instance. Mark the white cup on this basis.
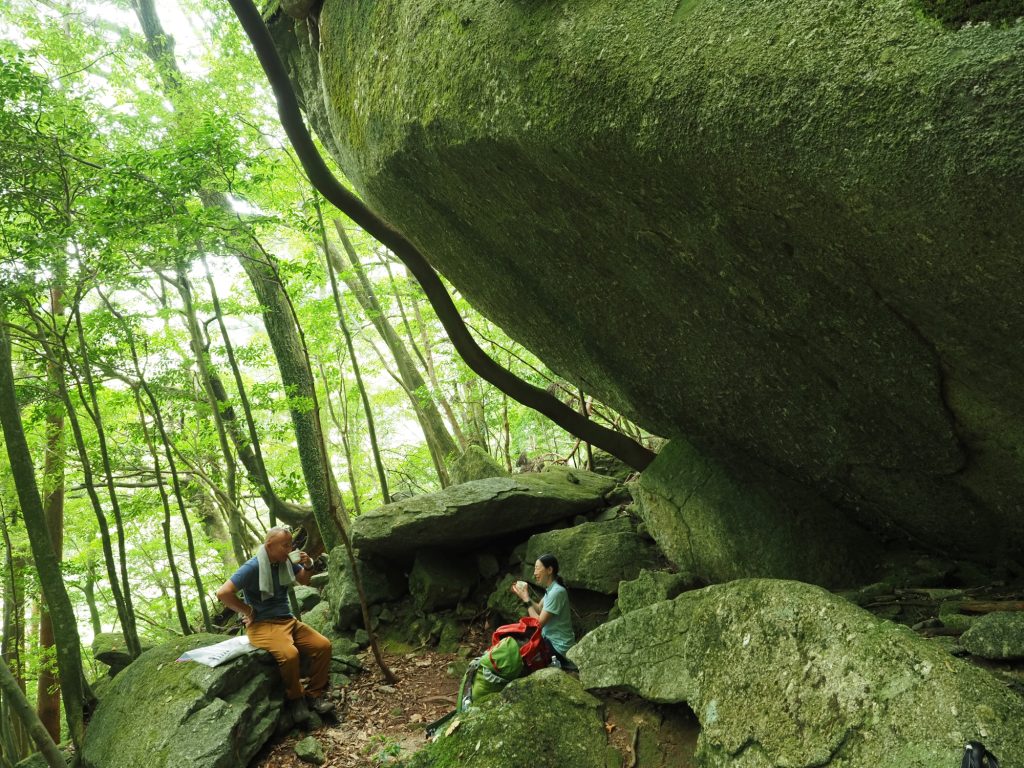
(295, 556)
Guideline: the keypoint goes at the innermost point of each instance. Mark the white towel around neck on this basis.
(284, 571)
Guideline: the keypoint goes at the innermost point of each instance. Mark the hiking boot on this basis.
(321, 705)
(299, 711)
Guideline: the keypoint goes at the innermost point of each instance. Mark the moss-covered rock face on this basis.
(720, 525)
(546, 719)
(594, 556)
(996, 636)
(781, 673)
(475, 464)
(786, 230)
(160, 713)
(463, 516)
(439, 580)
(956, 13)
(381, 582)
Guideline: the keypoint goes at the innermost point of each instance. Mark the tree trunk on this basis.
(439, 440)
(343, 325)
(428, 359)
(342, 427)
(128, 619)
(48, 690)
(201, 354)
(17, 701)
(259, 472)
(13, 641)
(69, 654)
(179, 605)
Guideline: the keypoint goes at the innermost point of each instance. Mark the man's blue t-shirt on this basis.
(247, 579)
(558, 629)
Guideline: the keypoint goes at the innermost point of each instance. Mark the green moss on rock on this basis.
(161, 713)
(803, 217)
(545, 719)
(801, 677)
(956, 13)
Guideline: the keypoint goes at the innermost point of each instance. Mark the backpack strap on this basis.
(976, 756)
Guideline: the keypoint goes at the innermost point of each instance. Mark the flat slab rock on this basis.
(785, 674)
(479, 510)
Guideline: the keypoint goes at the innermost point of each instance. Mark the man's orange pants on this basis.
(287, 640)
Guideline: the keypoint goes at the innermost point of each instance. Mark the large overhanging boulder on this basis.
(160, 713)
(787, 231)
(463, 515)
(781, 673)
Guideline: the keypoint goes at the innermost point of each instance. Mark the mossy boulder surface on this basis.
(594, 556)
(787, 232)
(440, 580)
(546, 719)
(650, 587)
(781, 673)
(462, 516)
(996, 636)
(381, 583)
(475, 464)
(722, 524)
(161, 713)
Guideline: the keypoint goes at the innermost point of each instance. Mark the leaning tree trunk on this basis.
(12, 641)
(51, 580)
(342, 426)
(39, 733)
(439, 440)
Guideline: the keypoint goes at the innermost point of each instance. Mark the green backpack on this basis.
(500, 665)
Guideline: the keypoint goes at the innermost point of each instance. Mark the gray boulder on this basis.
(595, 556)
(996, 636)
(472, 513)
(651, 587)
(475, 464)
(722, 525)
(440, 580)
(381, 583)
(306, 597)
(785, 674)
(111, 649)
(161, 713)
(546, 719)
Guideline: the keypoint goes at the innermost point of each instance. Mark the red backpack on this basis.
(534, 649)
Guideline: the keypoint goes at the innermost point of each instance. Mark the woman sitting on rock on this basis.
(552, 612)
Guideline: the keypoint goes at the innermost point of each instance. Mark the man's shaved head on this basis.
(276, 531)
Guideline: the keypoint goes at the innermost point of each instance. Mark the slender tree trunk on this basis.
(343, 325)
(69, 654)
(179, 605)
(48, 690)
(343, 429)
(428, 358)
(439, 440)
(17, 701)
(179, 497)
(589, 449)
(13, 641)
(89, 590)
(260, 475)
(202, 357)
(88, 481)
(131, 633)
(506, 446)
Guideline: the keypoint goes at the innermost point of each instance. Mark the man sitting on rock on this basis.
(264, 581)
